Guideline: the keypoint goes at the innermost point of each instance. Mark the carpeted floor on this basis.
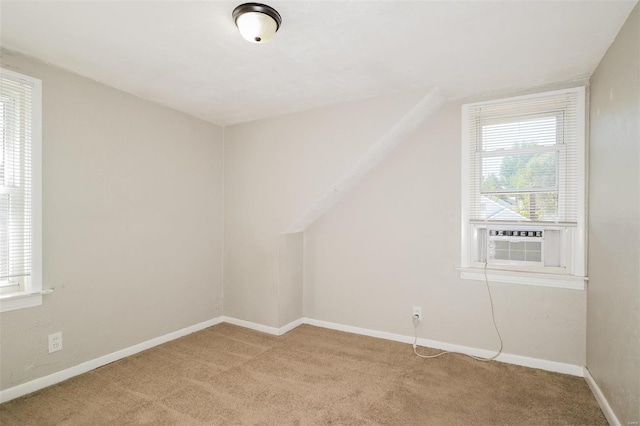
(228, 375)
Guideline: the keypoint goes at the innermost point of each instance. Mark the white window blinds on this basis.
(523, 158)
(16, 107)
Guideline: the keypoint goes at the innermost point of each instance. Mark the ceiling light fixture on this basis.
(257, 22)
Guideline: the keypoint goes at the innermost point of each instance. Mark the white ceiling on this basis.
(189, 56)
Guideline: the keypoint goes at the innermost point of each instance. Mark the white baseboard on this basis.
(293, 324)
(52, 379)
(543, 364)
(559, 367)
(264, 328)
(358, 330)
(252, 325)
(602, 401)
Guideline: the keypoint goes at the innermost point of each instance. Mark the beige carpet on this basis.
(228, 375)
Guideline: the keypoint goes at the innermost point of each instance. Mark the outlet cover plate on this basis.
(417, 310)
(55, 342)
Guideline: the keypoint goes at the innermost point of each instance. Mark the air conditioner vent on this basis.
(528, 247)
(514, 251)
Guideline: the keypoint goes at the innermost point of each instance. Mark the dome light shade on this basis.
(256, 22)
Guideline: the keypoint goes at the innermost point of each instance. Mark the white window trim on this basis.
(577, 279)
(525, 278)
(31, 295)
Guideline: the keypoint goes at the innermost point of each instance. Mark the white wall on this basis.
(290, 278)
(132, 201)
(393, 243)
(133, 230)
(274, 170)
(613, 321)
(389, 244)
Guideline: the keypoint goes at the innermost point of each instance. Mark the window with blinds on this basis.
(523, 159)
(523, 168)
(18, 112)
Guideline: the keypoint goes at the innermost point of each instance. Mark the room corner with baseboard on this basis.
(613, 302)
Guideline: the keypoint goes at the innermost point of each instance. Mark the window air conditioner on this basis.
(530, 247)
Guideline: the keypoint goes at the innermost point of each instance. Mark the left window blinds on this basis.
(16, 124)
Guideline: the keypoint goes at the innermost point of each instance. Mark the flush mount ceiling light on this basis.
(257, 22)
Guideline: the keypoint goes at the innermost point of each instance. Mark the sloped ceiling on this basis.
(189, 56)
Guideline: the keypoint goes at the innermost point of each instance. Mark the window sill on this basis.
(21, 300)
(572, 282)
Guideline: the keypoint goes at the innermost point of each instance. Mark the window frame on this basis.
(560, 149)
(29, 292)
(575, 277)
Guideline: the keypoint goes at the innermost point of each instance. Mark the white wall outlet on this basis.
(417, 310)
(55, 342)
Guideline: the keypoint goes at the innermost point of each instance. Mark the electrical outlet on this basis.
(417, 310)
(55, 342)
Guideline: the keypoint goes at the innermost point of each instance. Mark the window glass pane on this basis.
(525, 132)
(4, 238)
(15, 185)
(540, 206)
(10, 123)
(528, 171)
(3, 143)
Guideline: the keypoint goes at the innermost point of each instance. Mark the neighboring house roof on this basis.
(499, 210)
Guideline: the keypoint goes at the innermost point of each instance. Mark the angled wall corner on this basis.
(376, 153)
(291, 252)
(278, 168)
(613, 294)
(290, 272)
